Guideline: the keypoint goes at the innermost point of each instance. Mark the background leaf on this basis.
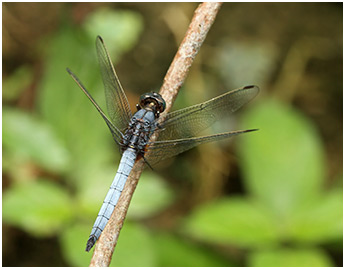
(174, 251)
(283, 162)
(41, 208)
(29, 138)
(320, 221)
(151, 196)
(73, 242)
(233, 221)
(119, 29)
(290, 258)
(17, 83)
(134, 238)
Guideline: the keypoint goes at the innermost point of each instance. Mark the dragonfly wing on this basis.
(117, 135)
(160, 150)
(117, 103)
(188, 122)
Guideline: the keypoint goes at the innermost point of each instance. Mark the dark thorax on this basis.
(143, 122)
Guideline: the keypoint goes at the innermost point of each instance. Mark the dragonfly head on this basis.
(153, 101)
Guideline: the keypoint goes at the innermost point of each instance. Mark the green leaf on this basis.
(172, 251)
(320, 221)
(73, 242)
(14, 85)
(40, 208)
(233, 221)
(151, 196)
(134, 241)
(29, 138)
(120, 29)
(290, 258)
(283, 163)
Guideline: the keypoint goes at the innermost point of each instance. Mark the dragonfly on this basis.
(132, 132)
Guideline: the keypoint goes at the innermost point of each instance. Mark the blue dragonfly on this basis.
(132, 132)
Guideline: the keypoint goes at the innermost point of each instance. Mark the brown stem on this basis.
(202, 21)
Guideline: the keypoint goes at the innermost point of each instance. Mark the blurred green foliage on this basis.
(29, 138)
(59, 160)
(40, 208)
(285, 201)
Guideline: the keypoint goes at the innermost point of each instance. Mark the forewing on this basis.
(117, 103)
(188, 122)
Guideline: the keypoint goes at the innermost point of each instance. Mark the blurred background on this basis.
(269, 198)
